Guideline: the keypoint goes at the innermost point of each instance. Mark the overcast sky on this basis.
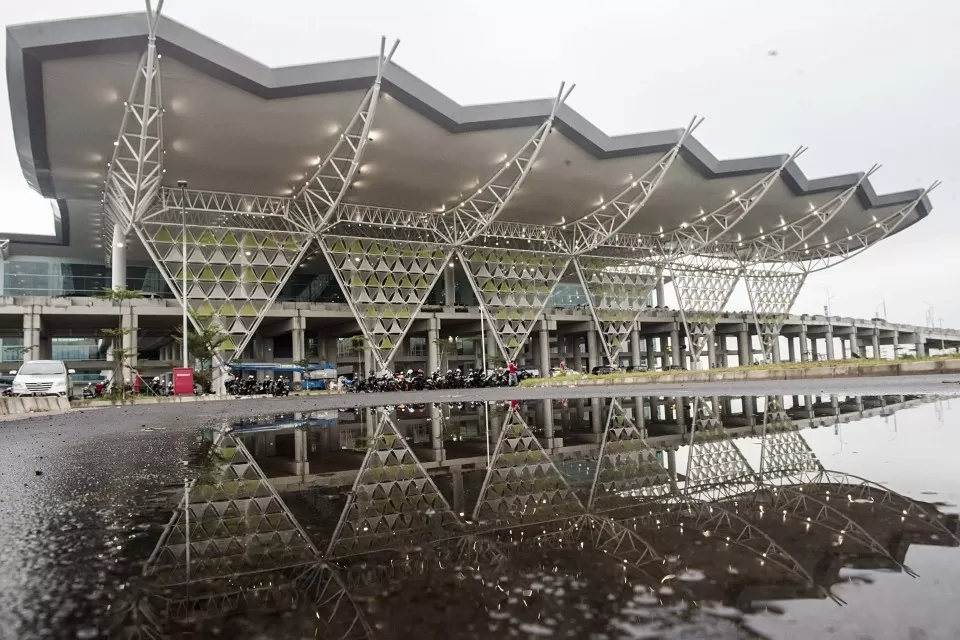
(858, 82)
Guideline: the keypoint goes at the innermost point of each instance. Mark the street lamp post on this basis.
(183, 266)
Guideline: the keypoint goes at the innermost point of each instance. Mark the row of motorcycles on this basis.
(250, 387)
(411, 380)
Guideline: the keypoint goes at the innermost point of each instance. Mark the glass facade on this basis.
(54, 277)
(84, 349)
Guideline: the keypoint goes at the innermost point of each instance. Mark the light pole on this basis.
(183, 266)
(826, 307)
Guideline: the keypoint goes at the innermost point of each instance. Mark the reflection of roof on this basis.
(781, 539)
(233, 124)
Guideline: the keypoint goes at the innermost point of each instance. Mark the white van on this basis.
(43, 378)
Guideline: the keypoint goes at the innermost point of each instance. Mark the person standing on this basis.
(512, 371)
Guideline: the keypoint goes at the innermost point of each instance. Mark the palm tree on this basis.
(117, 296)
(358, 345)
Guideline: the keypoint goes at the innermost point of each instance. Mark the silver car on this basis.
(43, 378)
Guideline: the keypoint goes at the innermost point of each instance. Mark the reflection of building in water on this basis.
(301, 450)
(724, 532)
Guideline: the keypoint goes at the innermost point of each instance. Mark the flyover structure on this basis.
(239, 183)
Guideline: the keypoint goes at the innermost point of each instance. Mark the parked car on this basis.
(603, 369)
(43, 378)
(6, 385)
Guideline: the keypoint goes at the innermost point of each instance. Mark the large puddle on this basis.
(777, 517)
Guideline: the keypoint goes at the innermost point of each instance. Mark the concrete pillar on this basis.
(829, 338)
(676, 352)
(921, 346)
(804, 348)
(660, 301)
(298, 341)
(456, 479)
(593, 354)
(635, 348)
(449, 286)
(681, 414)
(433, 350)
(596, 415)
(31, 334)
(775, 348)
(493, 351)
(876, 344)
(791, 349)
(367, 361)
(896, 344)
(672, 469)
(813, 348)
(577, 355)
(638, 418)
(743, 345)
(437, 453)
(749, 409)
(711, 351)
(370, 416)
(651, 358)
(543, 342)
(301, 459)
(118, 259)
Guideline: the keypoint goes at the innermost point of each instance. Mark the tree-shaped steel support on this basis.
(469, 218)
(611, 215)
(315, 203)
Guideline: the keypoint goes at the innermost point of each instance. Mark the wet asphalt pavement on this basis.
(87, 492)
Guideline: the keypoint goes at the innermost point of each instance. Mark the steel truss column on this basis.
(617, 292)
(772, 289)
(236, 267)
(465, 221)
(769, 245)
(522, 485)
(394, 502)
(707, 228)
(316, 201)
(627, 467)
(136, 169)
(703, 284)
(512, 288)
(610, 216)
(385, 283)
(716, 468)
(831, 253)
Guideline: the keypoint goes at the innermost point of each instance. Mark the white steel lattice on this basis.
(715, 465)
(316, 201)
(772, 290)
(522, 484)
(784, 451)
(234, 523)
(234, 272)
(617, 292)
(703, 285)
(136, 169)
(627, 467)
(386, 283)
(611, 215)
(393, 503)
(706, 229)
(223, 202)
(468, 219)
(513, 287)
(775, 241)
(831, 253)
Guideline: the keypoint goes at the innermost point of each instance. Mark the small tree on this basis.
(202, 346)
(358, 344)
(117, 296)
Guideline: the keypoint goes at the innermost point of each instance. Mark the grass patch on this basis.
(653, 375)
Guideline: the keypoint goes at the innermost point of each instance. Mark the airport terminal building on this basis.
(295, 207)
